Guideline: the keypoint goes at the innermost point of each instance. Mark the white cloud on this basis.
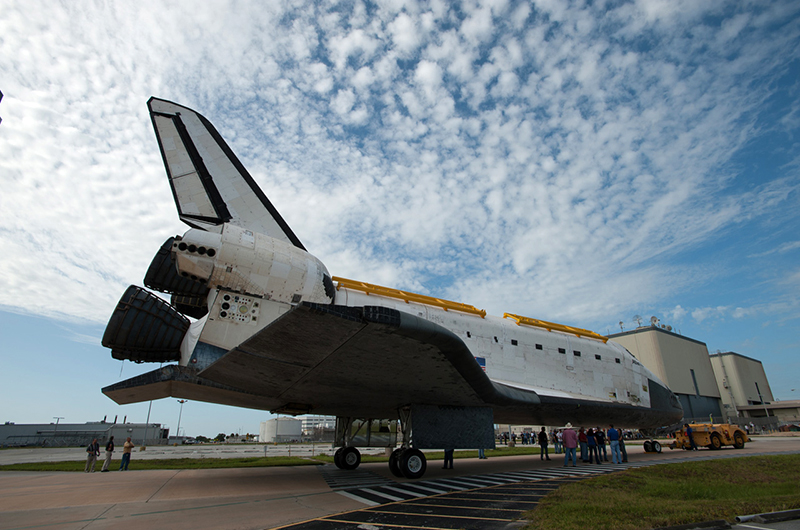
(403, 30)
(703, 313)
(577, 153)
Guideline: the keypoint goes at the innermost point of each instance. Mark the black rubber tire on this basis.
(413, 463)
(738, 440)
(656, 446)
(350, 458)
(337, 460)
(648, 446)
(716, 441)
(394, 463)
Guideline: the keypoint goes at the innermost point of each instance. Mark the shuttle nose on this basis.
(663, 399)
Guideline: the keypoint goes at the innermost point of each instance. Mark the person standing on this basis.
(613, 439)
(601, 443)
(543, 445)
(591, 442)
(109, 453)
(448, 458)
(570, 440)
(584, 441)
(126, 454)
(690, 435)
(481, 454)
(92, 452)
(622, 447)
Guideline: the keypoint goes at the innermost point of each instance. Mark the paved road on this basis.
(261, 498)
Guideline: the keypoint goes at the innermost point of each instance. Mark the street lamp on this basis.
(181, 401)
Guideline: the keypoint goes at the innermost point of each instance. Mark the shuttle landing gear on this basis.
(361, 432)
(347, 458)
(408, 463)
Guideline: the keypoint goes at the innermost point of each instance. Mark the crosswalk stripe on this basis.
(426, 487)
(358, 498)
(382, 494)
(406, 491)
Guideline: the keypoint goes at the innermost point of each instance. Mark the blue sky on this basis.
(581, 162)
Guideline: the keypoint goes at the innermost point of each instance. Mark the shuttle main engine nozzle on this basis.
(144, 328)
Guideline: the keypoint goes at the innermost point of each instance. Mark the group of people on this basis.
(592, 443)
(93, 452)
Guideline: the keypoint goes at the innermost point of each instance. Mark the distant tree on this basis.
(203, 439)
(220, 437)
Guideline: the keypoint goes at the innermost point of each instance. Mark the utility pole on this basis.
(146, 425)
(54, 417)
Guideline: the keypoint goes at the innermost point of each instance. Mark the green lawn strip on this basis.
(168, 463)
(212, 463)
(673, 494)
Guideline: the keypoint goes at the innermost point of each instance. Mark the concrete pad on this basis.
(245, 498)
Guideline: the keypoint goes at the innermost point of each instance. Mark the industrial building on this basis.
(683, 364)
(741, 381)
(280, 430)
(311, 424)
(78, 434)
(746, 394)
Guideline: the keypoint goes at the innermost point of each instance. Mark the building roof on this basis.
(644, 329)
(736, 354)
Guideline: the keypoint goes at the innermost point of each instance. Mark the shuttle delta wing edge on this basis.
(326, 359)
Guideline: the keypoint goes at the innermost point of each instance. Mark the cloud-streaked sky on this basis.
(582, 162)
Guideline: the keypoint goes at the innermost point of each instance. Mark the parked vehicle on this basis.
(711, 435)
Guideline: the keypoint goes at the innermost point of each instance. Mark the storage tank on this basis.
(278, 430)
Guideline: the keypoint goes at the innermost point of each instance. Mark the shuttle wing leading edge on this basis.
(209, 183)
(369, 361)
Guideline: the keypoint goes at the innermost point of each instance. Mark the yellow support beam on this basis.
(552, 326)
(406, 296)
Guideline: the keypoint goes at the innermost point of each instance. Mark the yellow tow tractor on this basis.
(711, 435)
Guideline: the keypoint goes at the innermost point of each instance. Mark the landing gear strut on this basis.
(407, 462)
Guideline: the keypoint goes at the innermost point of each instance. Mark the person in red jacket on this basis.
(570, 440)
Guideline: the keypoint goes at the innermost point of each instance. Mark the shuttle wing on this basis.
(210, 185)
(325, 359)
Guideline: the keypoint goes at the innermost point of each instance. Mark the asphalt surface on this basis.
(477, 494)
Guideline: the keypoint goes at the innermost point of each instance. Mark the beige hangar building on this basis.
(683, 364)
(746, 394)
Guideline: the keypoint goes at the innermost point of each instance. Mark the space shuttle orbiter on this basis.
(256, 321)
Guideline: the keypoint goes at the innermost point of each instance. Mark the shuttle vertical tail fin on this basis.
(210, 185)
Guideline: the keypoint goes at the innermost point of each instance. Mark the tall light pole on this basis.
(181, 401)
(147, 424)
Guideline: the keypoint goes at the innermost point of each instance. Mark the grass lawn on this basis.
(212, 463)
(166, 463)
(672, 494)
